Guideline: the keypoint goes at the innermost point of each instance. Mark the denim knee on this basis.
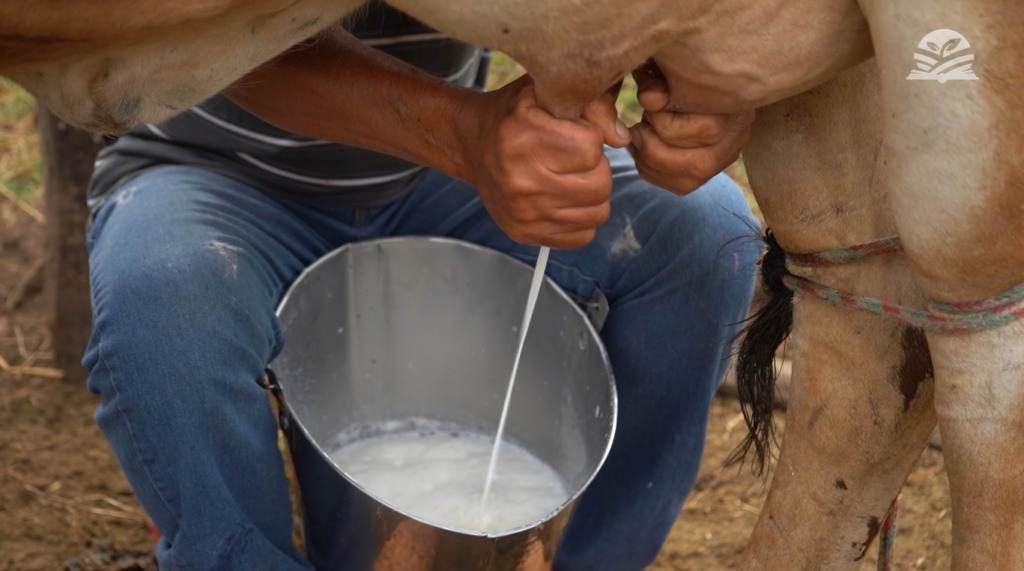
(716, 221)
(181, 336)
(708, 238)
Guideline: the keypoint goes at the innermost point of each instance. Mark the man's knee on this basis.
(167, 275)
(709, 234)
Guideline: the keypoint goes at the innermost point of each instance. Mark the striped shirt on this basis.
(220, 136)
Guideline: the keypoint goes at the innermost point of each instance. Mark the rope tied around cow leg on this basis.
(948, 318)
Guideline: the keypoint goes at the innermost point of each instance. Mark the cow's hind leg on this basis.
(861, 405)
(859, 417)
(979, 398)
(955, 175)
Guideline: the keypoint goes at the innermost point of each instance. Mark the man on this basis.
(202, 222)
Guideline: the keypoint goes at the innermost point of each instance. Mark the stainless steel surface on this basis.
(427, 327)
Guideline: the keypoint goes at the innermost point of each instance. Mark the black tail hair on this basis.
(755, 360)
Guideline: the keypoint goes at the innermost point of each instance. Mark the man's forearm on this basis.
(337, 89)
(543, 180)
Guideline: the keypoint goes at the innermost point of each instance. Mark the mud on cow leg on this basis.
(859, 416)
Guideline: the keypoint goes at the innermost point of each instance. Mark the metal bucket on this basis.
(428, 327)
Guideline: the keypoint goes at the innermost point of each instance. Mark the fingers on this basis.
(563, 236)
(690, 130)
(602, 113)
(680, 152)
(558, 145)
(651, 87)
(560, 211)
(562, 147)
(544, 180)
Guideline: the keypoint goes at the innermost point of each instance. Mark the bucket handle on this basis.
(270, 383)
(595, 308)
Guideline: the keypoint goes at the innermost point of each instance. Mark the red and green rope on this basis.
(944, 318)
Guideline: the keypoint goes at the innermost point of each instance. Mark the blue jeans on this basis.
(187, 267)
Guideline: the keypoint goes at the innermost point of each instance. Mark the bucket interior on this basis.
(427, 327)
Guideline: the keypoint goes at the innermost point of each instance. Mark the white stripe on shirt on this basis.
(458, 74)
(333, 182)
(268, 139)
(390, 41)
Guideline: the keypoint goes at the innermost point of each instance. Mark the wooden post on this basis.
(68, 154)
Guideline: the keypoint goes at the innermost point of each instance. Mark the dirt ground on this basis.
(65, 505)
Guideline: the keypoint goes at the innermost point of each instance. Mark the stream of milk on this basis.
(531, 301)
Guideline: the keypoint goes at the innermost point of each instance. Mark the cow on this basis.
(846, 150)
(109, 65)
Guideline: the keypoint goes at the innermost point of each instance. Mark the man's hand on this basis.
(681, 151)
(544, 180)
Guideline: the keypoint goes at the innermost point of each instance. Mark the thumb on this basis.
(602, 113)
(651, 87)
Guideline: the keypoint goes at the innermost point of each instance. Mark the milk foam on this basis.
(436, 474)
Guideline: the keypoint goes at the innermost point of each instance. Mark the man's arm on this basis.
(544, 180)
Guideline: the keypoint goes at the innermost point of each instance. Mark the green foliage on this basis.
(502, 71)
(20, 165)
(15, 102)
(629, 109)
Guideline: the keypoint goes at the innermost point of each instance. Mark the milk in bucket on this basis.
(435, 472)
